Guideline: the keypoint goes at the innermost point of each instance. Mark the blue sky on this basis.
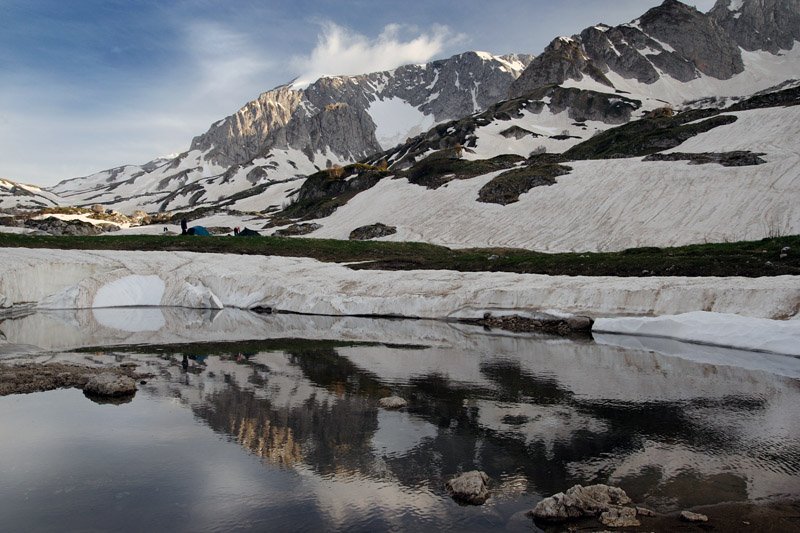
(87, 85)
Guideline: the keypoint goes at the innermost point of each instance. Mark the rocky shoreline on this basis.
(96, 382)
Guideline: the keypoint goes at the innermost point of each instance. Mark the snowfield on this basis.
(67, 279)
(608, 205)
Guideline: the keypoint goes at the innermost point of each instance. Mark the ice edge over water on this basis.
(736, 310)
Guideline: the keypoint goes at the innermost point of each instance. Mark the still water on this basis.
(285, 433)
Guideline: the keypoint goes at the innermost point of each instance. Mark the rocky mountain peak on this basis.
(695, 36)
(287, 117)
(771, 25)
(672, 38)
(563, 59)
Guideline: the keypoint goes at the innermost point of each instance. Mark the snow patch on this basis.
(396, 120)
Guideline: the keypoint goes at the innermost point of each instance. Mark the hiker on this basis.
(236, 230)
(184, 224)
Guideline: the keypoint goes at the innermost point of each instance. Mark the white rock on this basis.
(109, 384)
(470, 487)
(392, 402)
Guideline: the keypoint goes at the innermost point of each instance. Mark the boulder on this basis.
(392, 402)
(374, 231)
(579, 502)
(97, 208)
(110, 385)
(470, 487)
(643, 511)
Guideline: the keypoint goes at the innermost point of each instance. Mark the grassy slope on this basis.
(751, 259)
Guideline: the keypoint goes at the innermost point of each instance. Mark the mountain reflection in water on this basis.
(538, 415)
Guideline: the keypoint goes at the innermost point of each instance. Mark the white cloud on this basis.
(340, 51)
(224, 60)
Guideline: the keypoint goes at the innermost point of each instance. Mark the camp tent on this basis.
(198, 230)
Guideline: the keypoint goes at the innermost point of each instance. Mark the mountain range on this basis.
(264, 158)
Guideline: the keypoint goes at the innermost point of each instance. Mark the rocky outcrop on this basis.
(506, 187)
(470, 487)
(373, 231)
(771, 25)
(740, 158)
(296, 229)
(56, 226)
(562, 60)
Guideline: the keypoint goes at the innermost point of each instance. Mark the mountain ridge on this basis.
(285, 134)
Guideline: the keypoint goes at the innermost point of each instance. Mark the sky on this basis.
(87, 85)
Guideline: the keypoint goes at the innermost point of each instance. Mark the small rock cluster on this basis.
(56, 226)
(554, 325)
(297, 229)
(610, 505)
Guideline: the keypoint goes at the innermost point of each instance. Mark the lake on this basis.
(271, 422)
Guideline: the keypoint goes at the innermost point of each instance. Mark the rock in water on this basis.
(689, 516)
(110, 385)
(580, 502)
(470, 487)
(620, 517)
(392, 402)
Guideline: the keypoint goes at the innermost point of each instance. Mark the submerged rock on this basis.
(579, 502)
(620, 517)
(392, 402)
(470, 487)
(109, 384)
(689, 516)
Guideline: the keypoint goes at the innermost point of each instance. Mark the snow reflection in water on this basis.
(538, 415)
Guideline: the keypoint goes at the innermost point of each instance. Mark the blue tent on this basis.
(198, 230)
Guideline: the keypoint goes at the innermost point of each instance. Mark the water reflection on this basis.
(674, 426)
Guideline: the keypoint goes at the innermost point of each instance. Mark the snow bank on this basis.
(727, 330)
(72, 279)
